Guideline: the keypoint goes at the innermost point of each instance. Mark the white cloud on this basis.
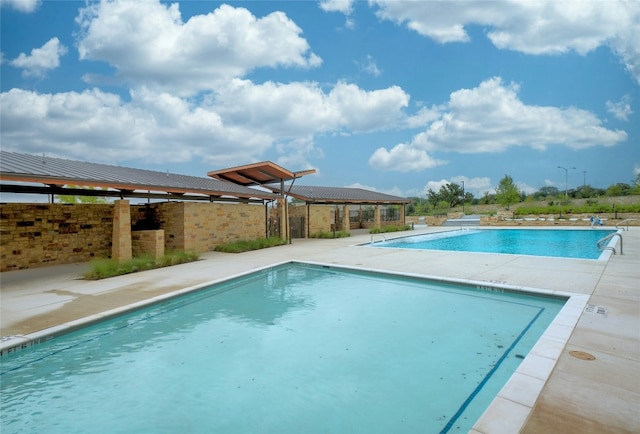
(26, 6)
(525, 188)
(477, 186)
(41, 60)
(296, 153)
(342, 6)
(480, 184)
(298, 109)
(369, 66)
(491, 118)
(365, 111)
(238, 123)
(149, 44)
(620, 109)
(152, 128)
(403, 158)
(424, 116)
(436, 185)
(542, 27)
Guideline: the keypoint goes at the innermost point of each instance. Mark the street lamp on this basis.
(566, 177)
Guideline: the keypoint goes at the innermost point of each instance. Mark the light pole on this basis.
(584, 178)
(566, 178)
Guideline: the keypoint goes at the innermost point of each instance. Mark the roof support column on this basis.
(121, 237)
(376, 217)
(284, 224)
(346, 224)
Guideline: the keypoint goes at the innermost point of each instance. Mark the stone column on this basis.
(346, 224)
(376, 217)
(121, 238)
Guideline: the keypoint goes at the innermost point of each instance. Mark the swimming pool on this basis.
(566, 243)
(293, 348)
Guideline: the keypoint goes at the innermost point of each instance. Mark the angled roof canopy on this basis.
(337, 195)
(57, 172)
(265, 172)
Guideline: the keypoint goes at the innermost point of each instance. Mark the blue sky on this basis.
(392, 96)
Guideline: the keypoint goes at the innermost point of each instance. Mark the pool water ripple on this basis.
(296, 348)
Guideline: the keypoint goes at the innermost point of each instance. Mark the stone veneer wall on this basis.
(149, 243)
(317, 218)
(199, 227)
(35, 235)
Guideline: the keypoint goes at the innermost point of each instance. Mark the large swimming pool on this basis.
(297, 348)
(566, 243)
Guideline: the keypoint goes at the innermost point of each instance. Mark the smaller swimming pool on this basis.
(564, 243)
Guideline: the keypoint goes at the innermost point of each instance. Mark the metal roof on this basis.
(314, 194)
(261, 173)
(57, 172)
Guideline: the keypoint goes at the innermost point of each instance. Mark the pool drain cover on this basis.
(582, 355)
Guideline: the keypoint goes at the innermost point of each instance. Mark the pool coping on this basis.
(607, 251)
(513, 403)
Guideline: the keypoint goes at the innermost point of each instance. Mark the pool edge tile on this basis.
(503, 416)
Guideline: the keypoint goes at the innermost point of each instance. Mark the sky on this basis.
(393, 96)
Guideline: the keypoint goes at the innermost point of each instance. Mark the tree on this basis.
(636, 185)
(67, 198)
(488, 199)
(450, 193)
(507, 192)
(546, 192)
(619, 189)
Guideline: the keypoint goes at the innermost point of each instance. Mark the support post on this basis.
(121, 236)
(346, 224)
(284, 223)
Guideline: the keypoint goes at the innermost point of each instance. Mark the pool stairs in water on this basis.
(468, 220)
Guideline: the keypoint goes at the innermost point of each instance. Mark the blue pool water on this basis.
(558, 242)
(292, 349)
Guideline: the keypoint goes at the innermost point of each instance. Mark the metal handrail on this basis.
(623, 222)
(380, 235)
(607, 238)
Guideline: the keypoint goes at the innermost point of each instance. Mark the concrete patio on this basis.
(552, 391)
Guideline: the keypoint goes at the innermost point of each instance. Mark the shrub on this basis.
(248, 245)
(389, 229)
(588, 208)
(107, 267)
(330, 234)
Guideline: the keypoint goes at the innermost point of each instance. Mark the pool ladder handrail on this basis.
(623, 222)
(384, 239)
(607, 238)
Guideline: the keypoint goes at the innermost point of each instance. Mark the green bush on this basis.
(248, 245)
(330, 234)
(390, 229)
(592, 207)
(107, 267)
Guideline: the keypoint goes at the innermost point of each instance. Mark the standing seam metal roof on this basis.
(339, 195)
(48, 170)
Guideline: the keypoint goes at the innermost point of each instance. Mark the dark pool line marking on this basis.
(484, 381)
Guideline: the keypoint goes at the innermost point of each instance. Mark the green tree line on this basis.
(507, 193)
